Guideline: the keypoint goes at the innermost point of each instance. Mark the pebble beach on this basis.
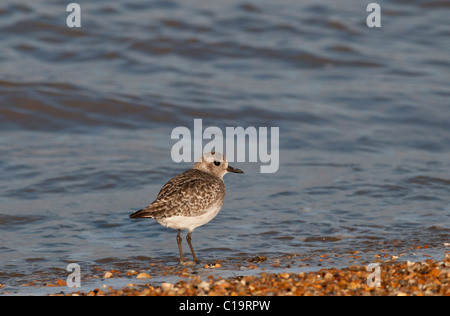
(404, 278)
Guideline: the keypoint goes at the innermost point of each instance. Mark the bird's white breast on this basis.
(190, 222)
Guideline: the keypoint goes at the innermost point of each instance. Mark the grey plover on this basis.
(191, 199)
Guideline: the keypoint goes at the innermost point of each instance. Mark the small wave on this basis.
(195, 48)
(10, 221)
(323, 239)
(426, 180)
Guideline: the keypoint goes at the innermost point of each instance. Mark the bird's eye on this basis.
(217, 163)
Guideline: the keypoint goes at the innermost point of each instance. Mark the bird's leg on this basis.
(188, 239)
(179, 240)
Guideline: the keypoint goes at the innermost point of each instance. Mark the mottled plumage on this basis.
(190, 193)
(192, 198)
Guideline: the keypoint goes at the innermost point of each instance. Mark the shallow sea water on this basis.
(86, 117)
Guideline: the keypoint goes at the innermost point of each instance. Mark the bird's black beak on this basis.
(235, 170)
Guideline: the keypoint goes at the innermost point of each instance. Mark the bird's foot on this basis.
(187, 263)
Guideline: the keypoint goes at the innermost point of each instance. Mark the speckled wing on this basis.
(188, 194)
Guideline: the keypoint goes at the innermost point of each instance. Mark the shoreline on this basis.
(423, 270)
(407, 278)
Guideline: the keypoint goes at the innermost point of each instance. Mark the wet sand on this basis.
(407, 278)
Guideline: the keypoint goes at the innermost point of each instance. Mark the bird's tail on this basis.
(142, 214)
